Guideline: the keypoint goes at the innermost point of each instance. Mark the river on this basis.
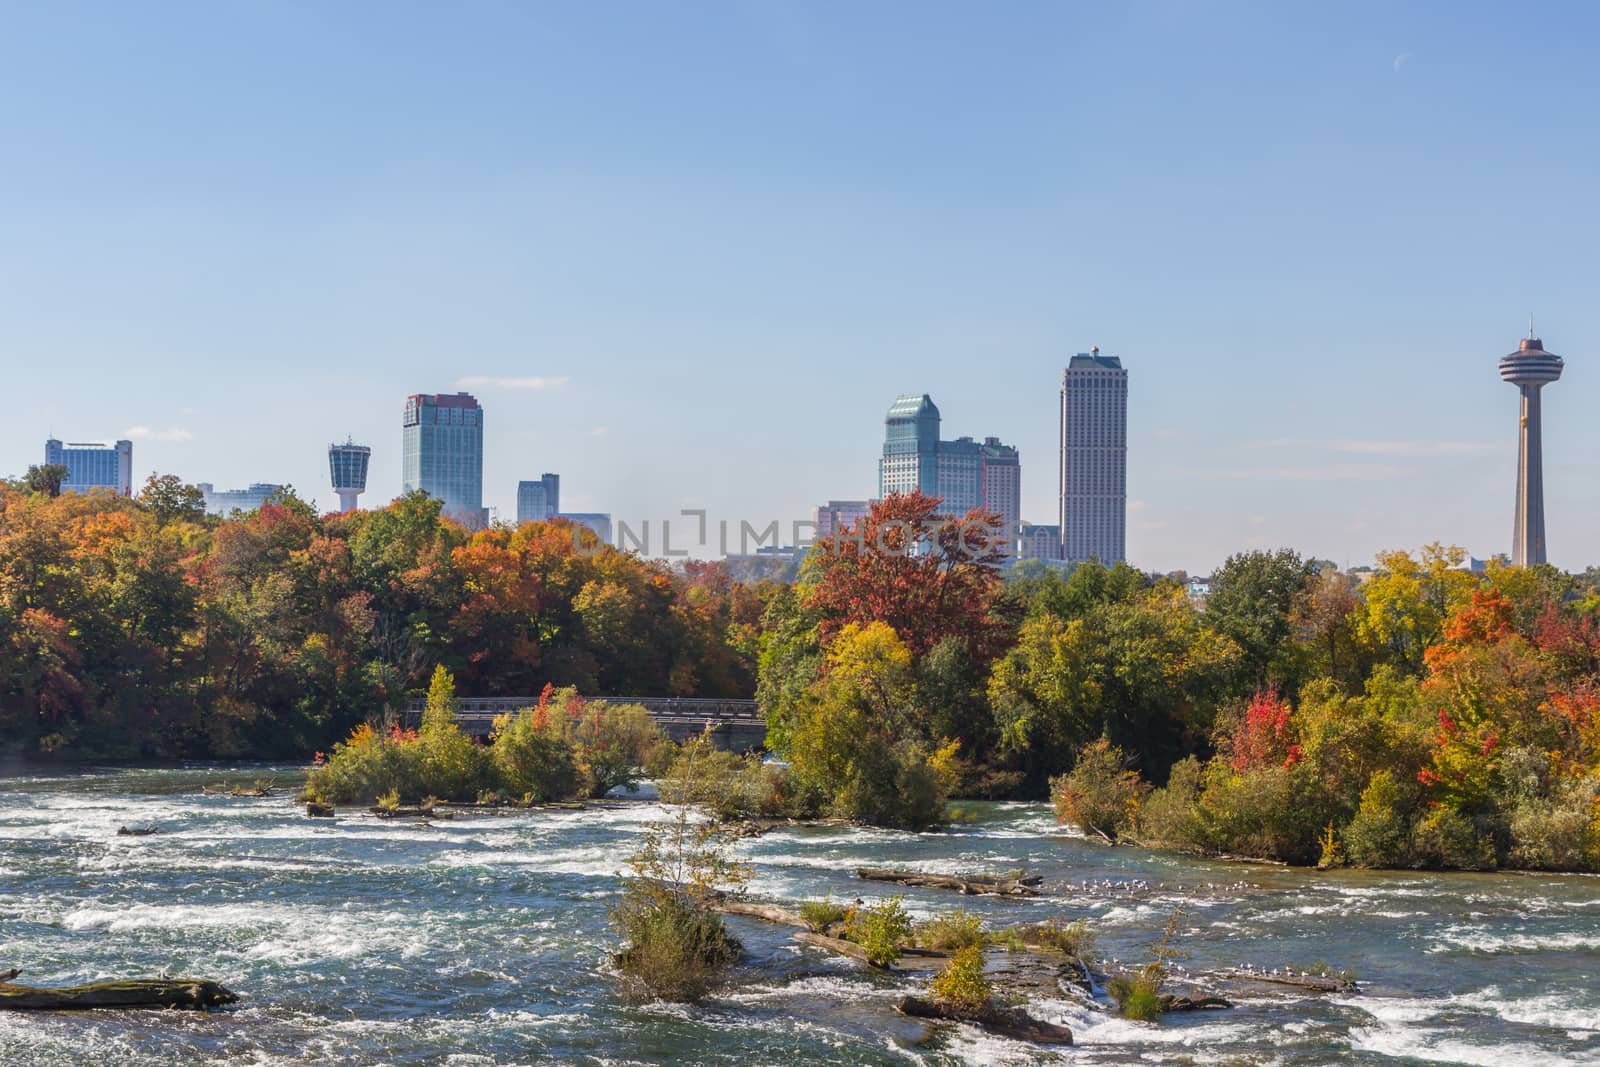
(484, 940)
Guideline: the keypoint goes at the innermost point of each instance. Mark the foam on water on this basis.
(484, 940)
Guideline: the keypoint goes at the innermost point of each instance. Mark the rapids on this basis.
(484, 940)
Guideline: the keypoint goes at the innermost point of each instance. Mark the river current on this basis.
(484, 940)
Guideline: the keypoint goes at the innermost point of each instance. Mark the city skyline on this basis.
(701, 295)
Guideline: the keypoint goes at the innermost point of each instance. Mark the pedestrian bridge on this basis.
(736, 725)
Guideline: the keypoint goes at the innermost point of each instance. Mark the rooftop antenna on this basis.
(1530, 325)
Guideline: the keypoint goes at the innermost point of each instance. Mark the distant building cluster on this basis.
(227, 501)
(962, 473)
(441, 449)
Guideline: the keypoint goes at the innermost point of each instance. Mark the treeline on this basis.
(1424, 716)
(143, 628)
(1417, 714)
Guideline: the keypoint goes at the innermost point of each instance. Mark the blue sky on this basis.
(687, 255)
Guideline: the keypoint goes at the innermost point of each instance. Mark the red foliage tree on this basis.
(925, 575)
(1264, 736)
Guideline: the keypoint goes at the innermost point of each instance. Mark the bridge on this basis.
(736, 725)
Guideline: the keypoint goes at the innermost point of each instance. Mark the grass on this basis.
(819, 915)
(952, 930)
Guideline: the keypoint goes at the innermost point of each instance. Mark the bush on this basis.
(739, 787)
(819, 915)
(1376, 837)
(956, 929)
(1074, 939)
(1100, 795)
(674, 950)
(962, 984)
(1272, 812)
(1560, 832)
(1168, 815)
(675, 944)
(530, 757)
(611, 743)
(1446, 838)
(881, 930)
(1135, 997)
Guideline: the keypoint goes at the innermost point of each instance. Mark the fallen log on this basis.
(1174, 1002)
(197, 993)
(319, 811)
(1316, 983)
(408, 812)
(135, 831)
(1008, 1022)
(967, 884)
(840, 947)
(766, 912)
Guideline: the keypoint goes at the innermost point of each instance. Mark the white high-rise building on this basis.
(1094, 458)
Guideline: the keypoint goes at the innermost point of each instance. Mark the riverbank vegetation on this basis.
(141, 628)
(1414, 714)
(561, 747)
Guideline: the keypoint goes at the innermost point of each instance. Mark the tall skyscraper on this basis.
(1094, 458)
(910, 447)
(1530, 368)
(540, 500)
(963, 473)
(347, 463)
(442, 453)
(93, 466)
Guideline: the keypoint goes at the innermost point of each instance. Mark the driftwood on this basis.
(319, 811)
(1009, 1022)
(964, 883)
(1173, 1002)
(135, 831)
(839, 947)
(130, 993)
(1316, 983)
(410, 812)
(766, 912)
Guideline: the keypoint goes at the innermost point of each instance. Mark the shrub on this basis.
(674, 950)
(675, 944)
(956, 929)
(1376, 837)
(530, 757)
(1074, 939)
(881, 930)
(611, 743)
(962, 984)
(1560, 832)
(390, 801)
(819, 915)
(1273, 812)
(1168, 815)
(1135, 997)
(1445, 837)
(1138, 994)
(740, 787)
(1099, 795)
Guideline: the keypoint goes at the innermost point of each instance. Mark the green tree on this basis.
(170, 499)
(1252, 595)
(46, 478)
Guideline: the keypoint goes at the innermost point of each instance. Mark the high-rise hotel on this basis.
(1094, 458)
(963, 473)
(441, 453)
(93, 466)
